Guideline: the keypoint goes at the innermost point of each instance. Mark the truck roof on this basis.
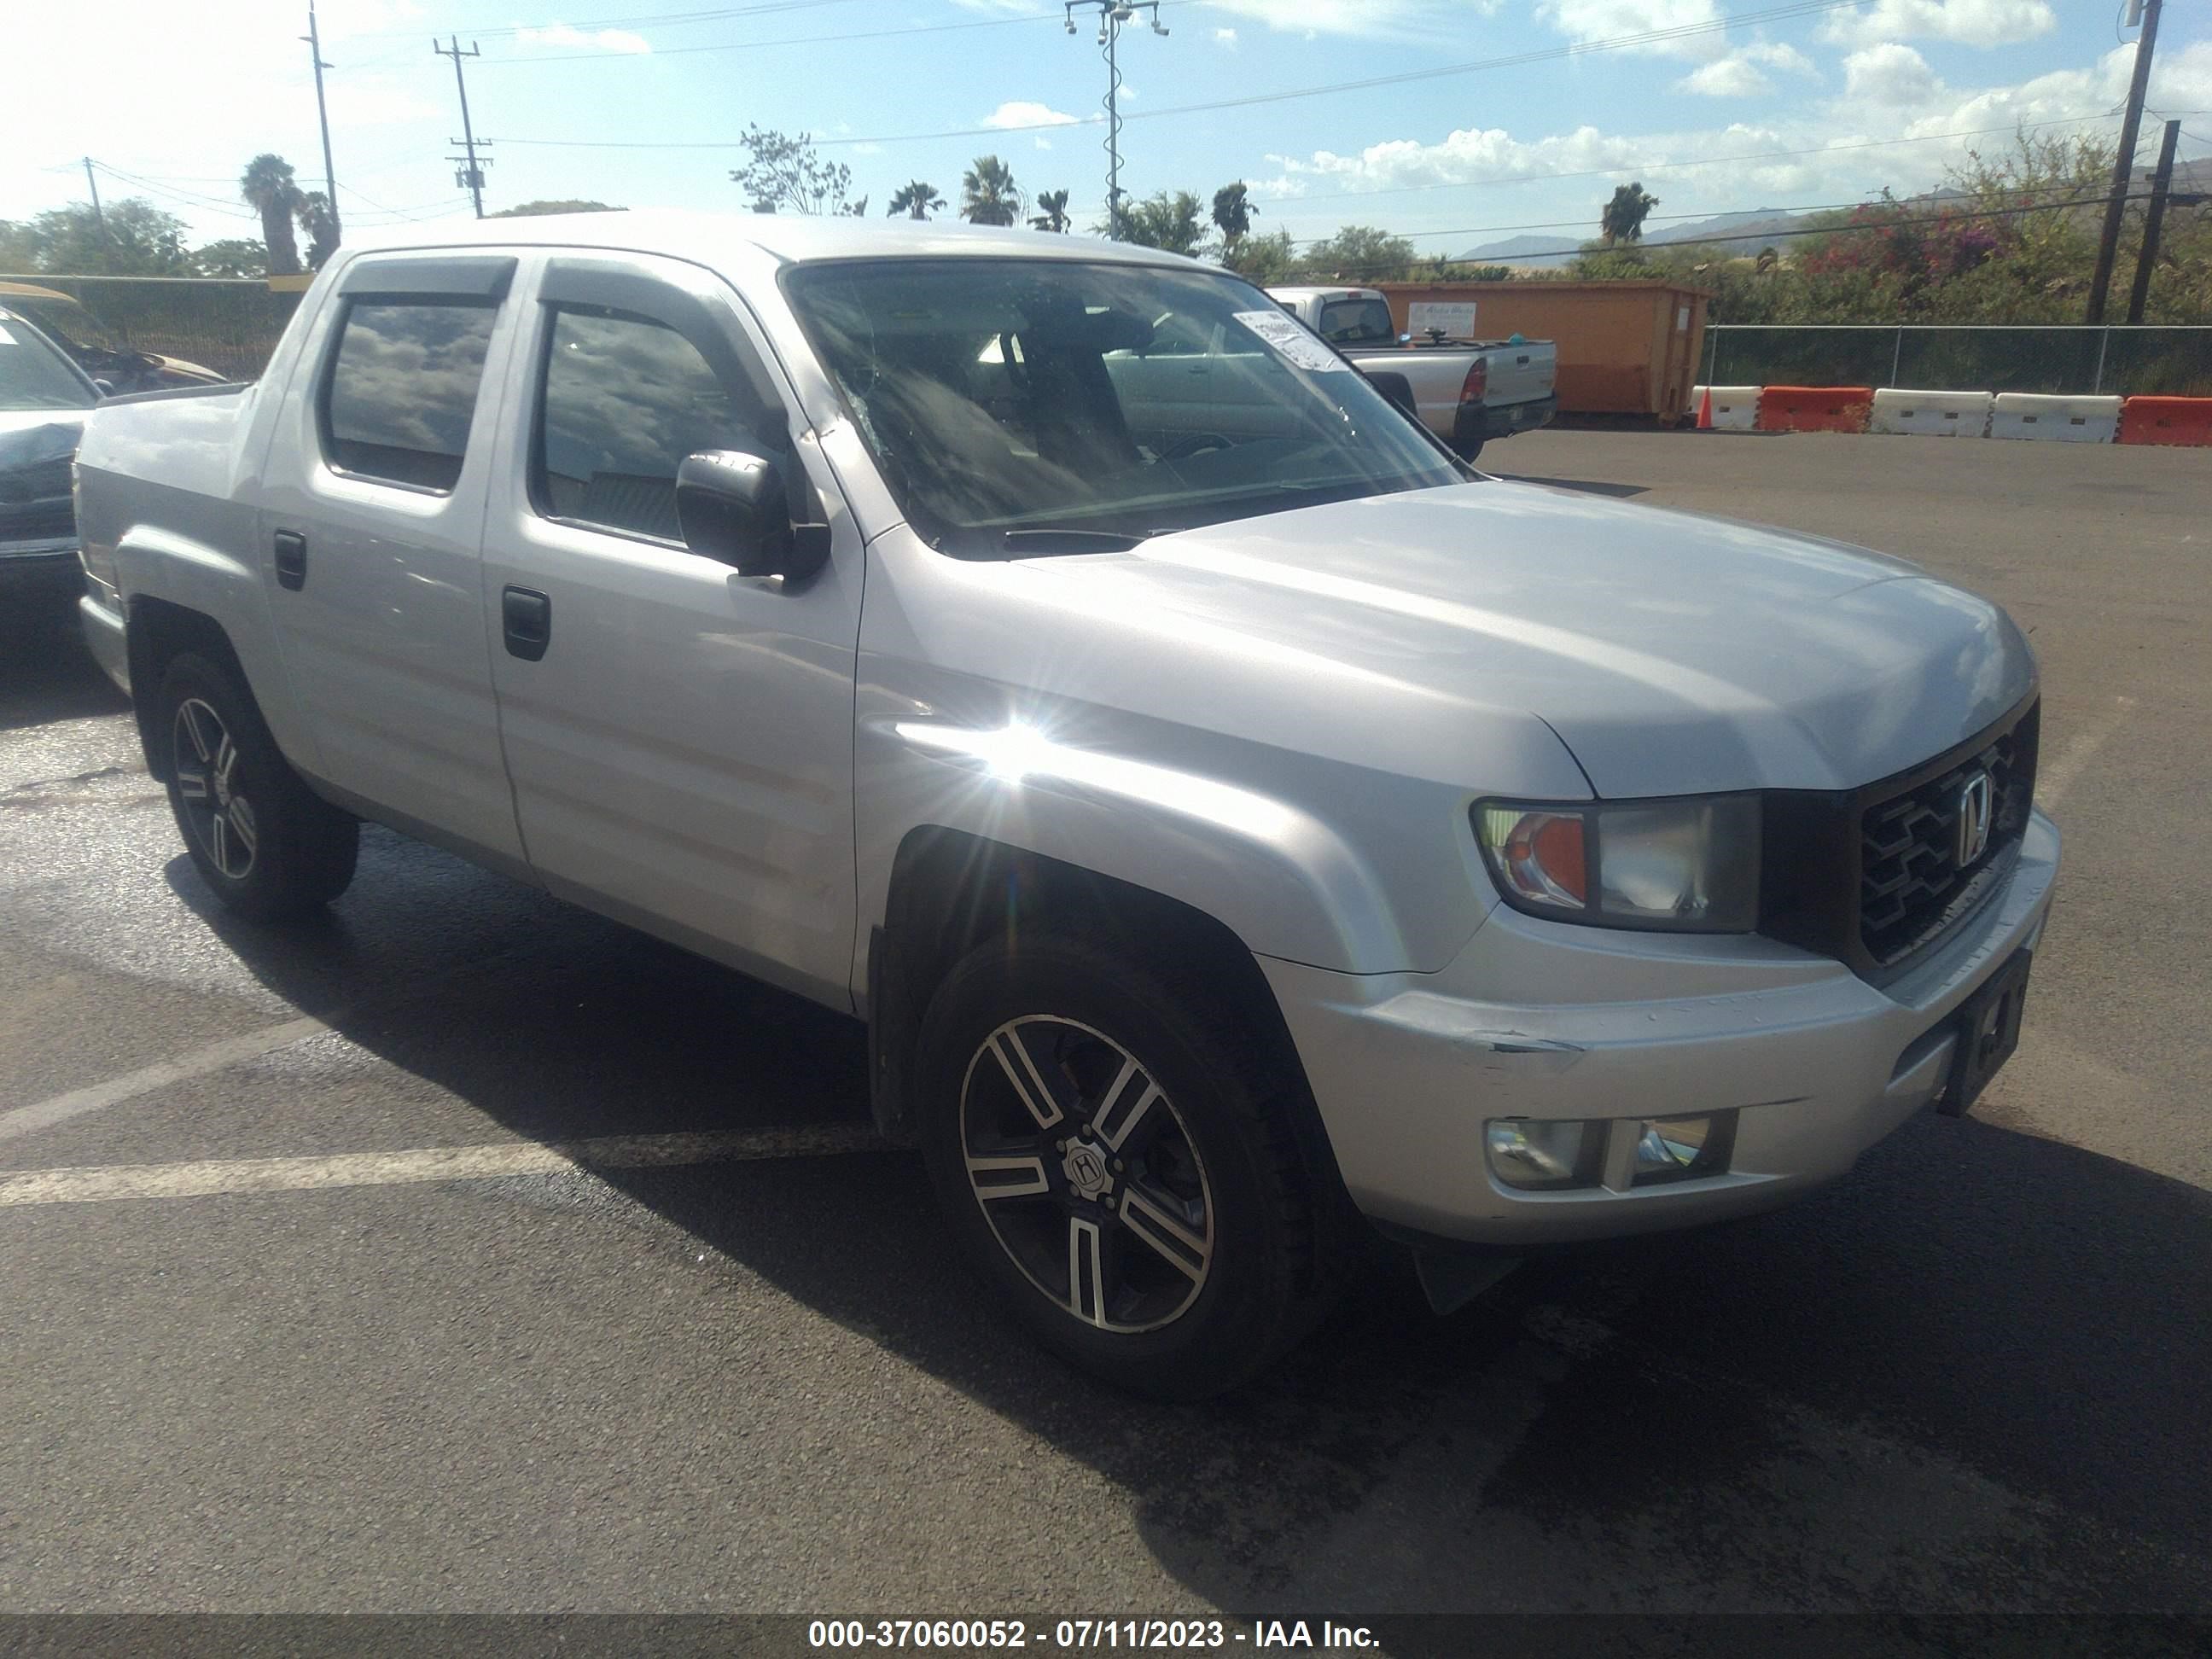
(688, 233)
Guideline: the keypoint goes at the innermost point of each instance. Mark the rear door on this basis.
(371, 529)
(680, 737)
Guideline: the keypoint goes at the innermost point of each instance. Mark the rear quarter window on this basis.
(402, 390)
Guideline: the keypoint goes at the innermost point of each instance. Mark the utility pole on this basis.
(472, 172)
(1112, 14)
(2123, 165)
(2161, 193)
(93, 184)
(315, 38)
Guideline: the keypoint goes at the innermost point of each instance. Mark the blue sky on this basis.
(1792, 110)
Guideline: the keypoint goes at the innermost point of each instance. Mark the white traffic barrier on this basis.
(1931, 414)
(2055, 420)
(1735, 408)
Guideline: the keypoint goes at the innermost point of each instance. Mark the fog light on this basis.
(1679, 1148)
(1535, 1155)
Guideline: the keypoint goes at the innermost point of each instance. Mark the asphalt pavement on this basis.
(465, 1253)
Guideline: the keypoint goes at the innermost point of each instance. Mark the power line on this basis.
(754, 45)
(665, 19)
(1546, 54)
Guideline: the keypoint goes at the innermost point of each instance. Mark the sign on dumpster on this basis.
(1454, 319)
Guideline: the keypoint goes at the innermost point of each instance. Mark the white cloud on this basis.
(1025, 113)
(567, 34)
(1225, 38)
(1890, 77)
(1965, 22)
(1742, 73)
(1609, 20)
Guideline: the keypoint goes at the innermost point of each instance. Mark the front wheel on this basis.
(267, 844)
(1121, 1163)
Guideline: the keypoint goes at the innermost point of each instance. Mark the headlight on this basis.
(1690, 865)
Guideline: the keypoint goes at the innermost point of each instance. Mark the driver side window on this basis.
(623, 400)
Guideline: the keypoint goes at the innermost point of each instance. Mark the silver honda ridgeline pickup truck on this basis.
(1231, 815)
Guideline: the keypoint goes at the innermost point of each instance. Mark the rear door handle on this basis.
(291, 560)
(526, 619)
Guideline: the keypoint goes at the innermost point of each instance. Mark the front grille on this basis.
(1912, 888)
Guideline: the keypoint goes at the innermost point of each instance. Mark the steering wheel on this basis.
(1195, 443)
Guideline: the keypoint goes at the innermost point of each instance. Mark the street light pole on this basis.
(1112, 14)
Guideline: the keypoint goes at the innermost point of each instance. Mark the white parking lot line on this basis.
(99, 1183)
(24, 1120)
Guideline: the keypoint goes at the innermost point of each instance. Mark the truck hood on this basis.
(1672, 652)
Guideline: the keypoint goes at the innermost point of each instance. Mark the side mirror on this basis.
(732, 507)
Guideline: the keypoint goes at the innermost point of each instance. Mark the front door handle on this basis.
(291, 560)
(525, 617)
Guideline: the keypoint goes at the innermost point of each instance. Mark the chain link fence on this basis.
(2129, 362)
(228, 325)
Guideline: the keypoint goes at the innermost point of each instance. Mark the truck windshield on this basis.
(33, 375)
(1025, 406)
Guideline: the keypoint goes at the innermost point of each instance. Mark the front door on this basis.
(680, 737)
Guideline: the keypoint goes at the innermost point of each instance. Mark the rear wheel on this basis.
(267, 845)
(1120, 1163)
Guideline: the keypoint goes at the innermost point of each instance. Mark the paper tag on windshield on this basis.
(1289, 337)
(6, 338)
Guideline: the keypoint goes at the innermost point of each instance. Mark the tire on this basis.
(1167, 1245)
(269, 847)
(1470, 449)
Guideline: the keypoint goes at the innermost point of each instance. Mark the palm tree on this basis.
(321, 225)
(1623, 218)
(267, 186)
(1052, 212)
(1232, 214)
(989, 195)
(917, 200)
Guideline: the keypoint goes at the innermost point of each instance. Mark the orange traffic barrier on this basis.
(2167, 420)
(1816, 408)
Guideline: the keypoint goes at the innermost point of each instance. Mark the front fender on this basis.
(1384, 874)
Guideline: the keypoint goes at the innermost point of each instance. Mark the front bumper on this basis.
(1408, 1069)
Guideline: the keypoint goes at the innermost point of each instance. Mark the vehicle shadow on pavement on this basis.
(1975, 1374)
(50, 675)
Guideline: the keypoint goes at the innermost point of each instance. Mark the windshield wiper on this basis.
(1020, 542)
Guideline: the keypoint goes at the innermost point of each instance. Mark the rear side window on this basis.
(403, 388)
(623, 400)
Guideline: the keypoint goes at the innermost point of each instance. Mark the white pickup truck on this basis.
(1466, 391)
(1232, 817)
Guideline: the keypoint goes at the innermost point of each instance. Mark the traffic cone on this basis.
(1705, 412)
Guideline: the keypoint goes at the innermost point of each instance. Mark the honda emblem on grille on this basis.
(1973, 820)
